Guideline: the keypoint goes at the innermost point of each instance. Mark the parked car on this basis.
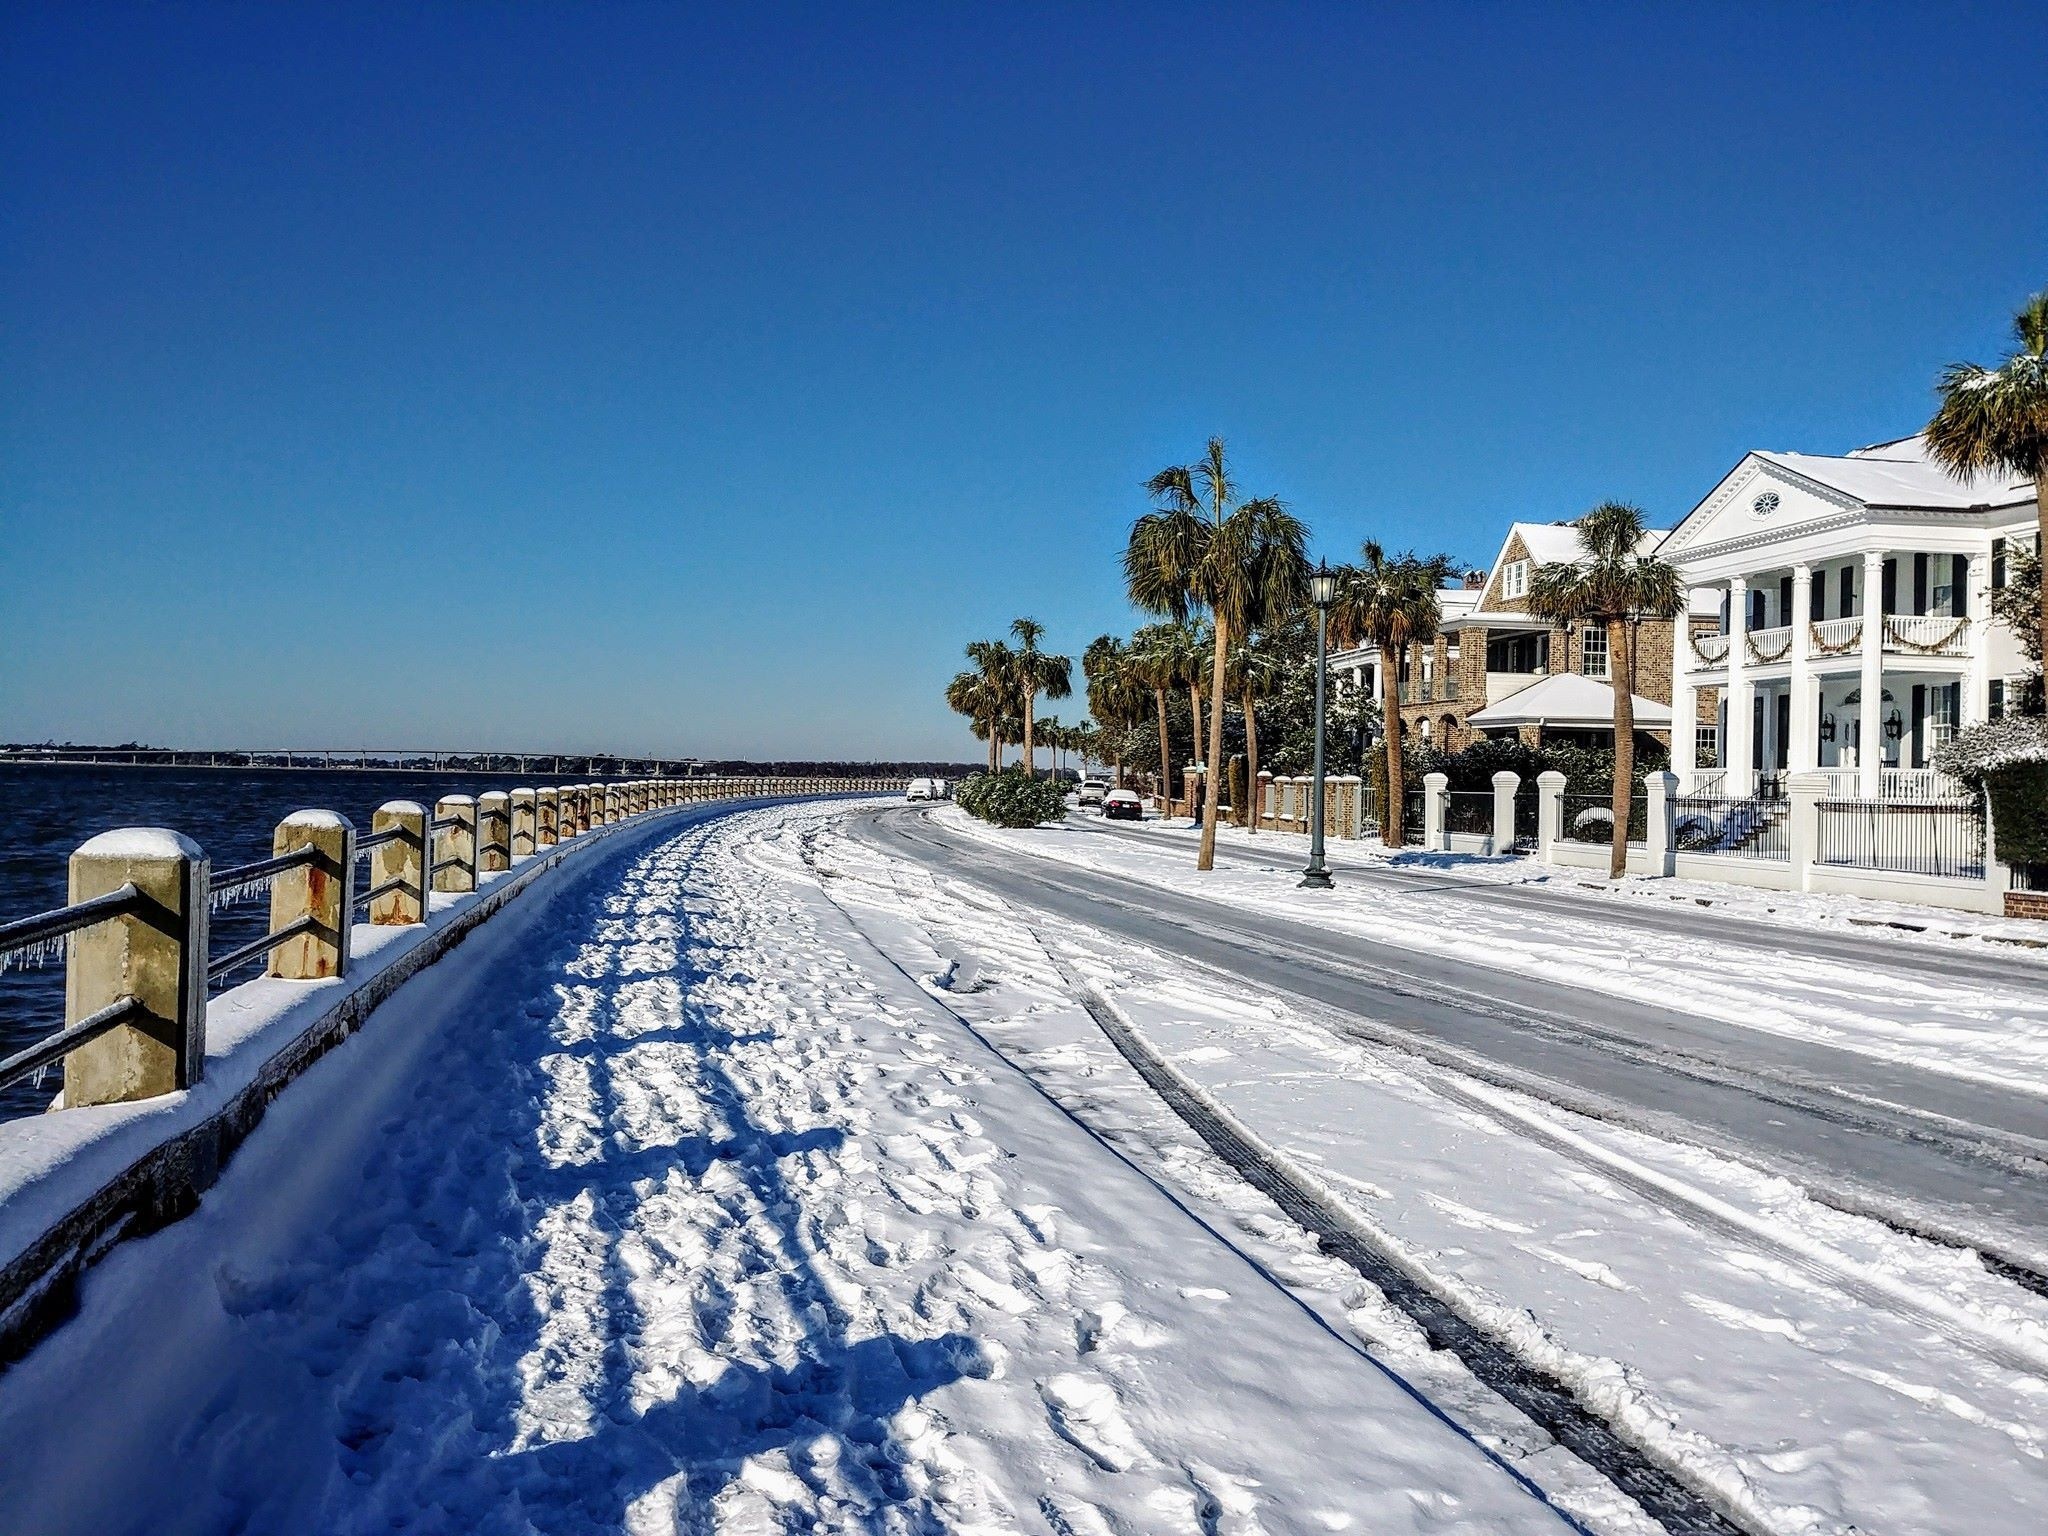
(921, 789)
(1123, 805)
(1091, 793)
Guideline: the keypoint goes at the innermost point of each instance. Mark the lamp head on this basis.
(1322, 585)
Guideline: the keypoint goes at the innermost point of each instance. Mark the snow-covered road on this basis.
(667, 1203)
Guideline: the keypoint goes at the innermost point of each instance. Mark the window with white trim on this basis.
(1514, 579)
(1593, 650)
(1706, 746)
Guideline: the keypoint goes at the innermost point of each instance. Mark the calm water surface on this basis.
(230, 812)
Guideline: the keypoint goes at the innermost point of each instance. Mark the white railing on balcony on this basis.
(1765, 646)
(1710, 650)
(1835, 637)
(1926, 634)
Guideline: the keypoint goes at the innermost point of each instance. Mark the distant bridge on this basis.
(363, 760)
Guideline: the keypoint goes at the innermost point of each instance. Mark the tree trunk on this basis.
(1212, 781)
(1165, 751)
(1621, 666)
(1030, 757)
(1251, 764)
(1195, 709)
(1393, 820)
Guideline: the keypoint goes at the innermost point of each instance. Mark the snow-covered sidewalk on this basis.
(1815, 1371)
(1922, 1013)
(668, 1204)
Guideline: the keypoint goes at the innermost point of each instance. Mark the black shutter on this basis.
(1888, 589)
(1724, 614)
(1817, 602)
(1959, 587)
(1997, 564)
(1848, 592)
(1756, 608)
(1920, 584)
(1920, 723)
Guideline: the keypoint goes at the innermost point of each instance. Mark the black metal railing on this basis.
(1756, 827)
(54, 929)
(1590, 819)
(1469, 811)
(1904, 837)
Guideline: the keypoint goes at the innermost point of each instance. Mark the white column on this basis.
(1740, 749)
(1549, 812)
(1684, 697)
(1435, 786)
(1975, 569)
(1379, 679)
(1505, 783)
(1803, 751)
(1870, 739)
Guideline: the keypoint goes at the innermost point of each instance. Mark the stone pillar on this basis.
(1804, 792)
(1189, 777)
(493, 832)
(1348, 825)
(1870, 743)
(1505, 783)
(1684, 695)
(158, 959)
(1740, 748)
(400, 864)
(323, 891)
(584, 808)
(1434, 788)
(525, 824)
(1549, 812)
(1268, 812)
(1663, 829)
(455, 848)
(546, 808)
(1802, 753)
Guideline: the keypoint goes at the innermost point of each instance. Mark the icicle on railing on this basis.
(35, 954)
(241, 890)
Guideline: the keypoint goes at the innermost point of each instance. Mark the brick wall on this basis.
(2032, 904)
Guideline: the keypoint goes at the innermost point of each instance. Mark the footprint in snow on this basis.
(1086, 1411)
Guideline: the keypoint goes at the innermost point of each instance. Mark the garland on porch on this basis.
(1749, 644)
(1925, 648)
(1822, 648)
(1699, 651)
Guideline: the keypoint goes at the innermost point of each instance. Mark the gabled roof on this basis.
(1548, 544)
(1571, 700)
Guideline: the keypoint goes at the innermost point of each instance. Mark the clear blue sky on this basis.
(661, 379)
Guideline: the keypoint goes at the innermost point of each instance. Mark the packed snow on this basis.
(666, 1203)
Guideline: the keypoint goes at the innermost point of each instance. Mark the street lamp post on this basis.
(1322, 591)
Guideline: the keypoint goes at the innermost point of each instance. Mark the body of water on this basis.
(45, 813)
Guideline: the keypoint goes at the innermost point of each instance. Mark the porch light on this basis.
(1322, 585)
(1894, 726)
(1827, 727)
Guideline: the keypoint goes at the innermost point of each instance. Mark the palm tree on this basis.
(988, 694)
(1617, 586)
(1037, 672)
(1115, 691)
(1156, 664)
(1254, 675)
(1199, 552)
(1996, 420)
(966, 695)
(1392, 601)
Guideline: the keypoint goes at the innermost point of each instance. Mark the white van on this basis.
(921, 789)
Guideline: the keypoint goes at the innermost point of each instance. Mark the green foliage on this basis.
(1012, 798)
(2019, 812)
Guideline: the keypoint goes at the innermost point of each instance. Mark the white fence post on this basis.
(454, 862)
(494, 831)
(1505, 784)
(1434, 786)
(1549, 813)
(525, 823)
(1804, 792)
(546, 807)
(1662, 789)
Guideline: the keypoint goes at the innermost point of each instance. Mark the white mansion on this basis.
(1855, 630)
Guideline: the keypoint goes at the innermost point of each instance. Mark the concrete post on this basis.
(585, 807)
(323, 891)
(1870, 731)
(493, 832)
(1347, 805)
(546, 808)
(1805, 791)
(1269, 814)
(1505, 783)
(612, 805)
(1802, 752)
(1663, 830)
(455, 848)
(1549, 812)
(525, 823)
(159, 959)
(1190, 777)
(402, 860)
(1434, 794)
(1973, 585)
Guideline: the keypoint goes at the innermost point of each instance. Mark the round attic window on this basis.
(1765, 504)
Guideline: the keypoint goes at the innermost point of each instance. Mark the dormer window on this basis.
(1514, 579)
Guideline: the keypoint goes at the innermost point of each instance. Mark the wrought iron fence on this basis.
(1469, 810)
(1755, 827)
(1907, 837)
(1528, 803)
(1414, 815)
(1590, 819)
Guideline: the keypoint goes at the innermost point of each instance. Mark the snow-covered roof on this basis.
(1568, 699)
(1547, 544)
(1901, 475)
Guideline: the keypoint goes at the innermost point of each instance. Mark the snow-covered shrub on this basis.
(1012, 798)
(2008, 759)
(1693, 832)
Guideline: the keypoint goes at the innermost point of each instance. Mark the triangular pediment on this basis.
(1756, 500)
